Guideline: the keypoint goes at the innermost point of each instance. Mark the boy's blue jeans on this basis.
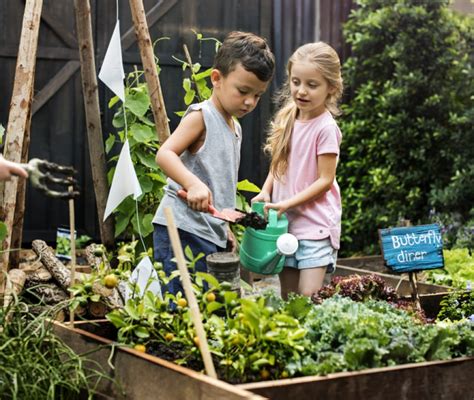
(163, 252)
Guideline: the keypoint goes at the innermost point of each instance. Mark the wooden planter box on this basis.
(147, 377)
(422, 381)
(142, 376)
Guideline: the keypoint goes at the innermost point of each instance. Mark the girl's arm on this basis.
(266, 192)
(327, 164)
(188, 133)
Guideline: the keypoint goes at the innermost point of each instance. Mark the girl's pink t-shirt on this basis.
(321, 218)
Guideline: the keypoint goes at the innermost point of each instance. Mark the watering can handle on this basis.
(272, 217)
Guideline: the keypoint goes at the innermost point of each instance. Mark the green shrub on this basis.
(407, 126)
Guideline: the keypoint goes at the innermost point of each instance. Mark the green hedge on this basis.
(408, 138)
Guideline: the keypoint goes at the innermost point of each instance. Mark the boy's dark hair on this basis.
(250, 50)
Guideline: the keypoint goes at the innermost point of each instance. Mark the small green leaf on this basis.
(189, 97)
(247, 186)
(118, 120)
(187, 84)
(113, 101)
(160, 177)
(148, 160)
(141, 332)
(213, 282)
(196, 68)
(109, 143)
(121, 223)
(203, 75)
(116, 318)
(95, 298)
(188, 253)
(141, 133)
(213, 306)
(138, 103)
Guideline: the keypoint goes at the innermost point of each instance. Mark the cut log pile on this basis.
(47, 280)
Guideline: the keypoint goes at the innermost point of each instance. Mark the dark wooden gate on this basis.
(58, 122)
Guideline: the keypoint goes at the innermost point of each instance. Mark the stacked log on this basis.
(48, 279)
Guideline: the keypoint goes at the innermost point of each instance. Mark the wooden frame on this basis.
(143, 376)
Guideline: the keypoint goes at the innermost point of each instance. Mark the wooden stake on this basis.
(149, 66)
(412, 276)
(188, 290)
(19, 119)
(414, 290)
(94, 126)
(72, 228)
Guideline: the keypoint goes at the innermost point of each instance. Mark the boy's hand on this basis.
(261, 197)
(199, 197)
(281, 207)
(232, 242)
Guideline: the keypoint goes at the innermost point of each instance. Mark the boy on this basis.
(202, 155)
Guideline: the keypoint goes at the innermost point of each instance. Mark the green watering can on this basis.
(264, 251)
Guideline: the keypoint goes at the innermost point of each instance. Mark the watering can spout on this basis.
(270, 261)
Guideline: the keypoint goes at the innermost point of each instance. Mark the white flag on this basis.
(111, 72)
(146, 280)
(124, 183)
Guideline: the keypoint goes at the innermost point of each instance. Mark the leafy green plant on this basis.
(35, 364)
(408, 117)
(458, 269)
(457, 305)
(144, 144)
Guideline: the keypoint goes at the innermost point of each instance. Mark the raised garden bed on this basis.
(144, 377)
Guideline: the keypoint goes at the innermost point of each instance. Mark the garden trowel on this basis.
(252, 219)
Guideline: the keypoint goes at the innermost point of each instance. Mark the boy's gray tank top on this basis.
(216, 163)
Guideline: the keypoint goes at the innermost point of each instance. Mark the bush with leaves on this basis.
(408, 122)
(36, 364)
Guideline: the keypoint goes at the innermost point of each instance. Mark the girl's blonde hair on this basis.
(326, 61)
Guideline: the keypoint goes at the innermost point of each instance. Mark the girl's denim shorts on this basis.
(313, 254)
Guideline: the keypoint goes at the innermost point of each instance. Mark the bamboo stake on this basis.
(149, 66)
(19, 119)
(94, 126)
(72, 227)
(188, 290)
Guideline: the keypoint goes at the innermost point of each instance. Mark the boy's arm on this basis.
(327, 164)
(189, 131)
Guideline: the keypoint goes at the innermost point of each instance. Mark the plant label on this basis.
(414, 248)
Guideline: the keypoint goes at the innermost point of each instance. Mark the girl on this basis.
(303, 143)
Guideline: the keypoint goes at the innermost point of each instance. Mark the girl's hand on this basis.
(281, 207)
(232, 242)
(261, 197)
(199, 197)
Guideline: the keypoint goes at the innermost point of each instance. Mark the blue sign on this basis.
(413, 248)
